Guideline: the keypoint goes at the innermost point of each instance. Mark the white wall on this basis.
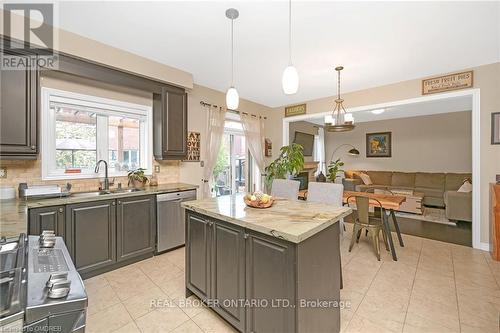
(436, 143)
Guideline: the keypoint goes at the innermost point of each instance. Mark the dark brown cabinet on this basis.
(47, 218)
(18, 110)
(135, 234)
(170, 124)
(91, 234)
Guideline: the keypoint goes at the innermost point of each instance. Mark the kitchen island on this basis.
(266, 270)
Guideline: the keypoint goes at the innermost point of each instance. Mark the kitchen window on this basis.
(78, 130)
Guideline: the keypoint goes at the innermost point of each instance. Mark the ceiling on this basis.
(455, 104)
(378, 43)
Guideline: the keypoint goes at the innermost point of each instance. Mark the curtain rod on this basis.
(233, 111)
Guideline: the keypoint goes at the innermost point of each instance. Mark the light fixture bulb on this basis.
(329, 119)
(349, 118)
(378, 111)
(232, 98)
(290, 80)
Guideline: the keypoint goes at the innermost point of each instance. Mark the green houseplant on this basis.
(289, 163)
(137, 177)
(334, 168)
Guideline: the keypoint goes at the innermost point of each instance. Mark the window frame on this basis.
(104, 106)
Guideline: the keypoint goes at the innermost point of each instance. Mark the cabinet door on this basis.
(270, 271)
(170, 124)
(18, 110)
(198, 255)
(91, 234)
(135, 223)
(46, 218)
(228, 272)
(175, 124)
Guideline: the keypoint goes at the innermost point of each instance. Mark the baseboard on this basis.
(485, 246)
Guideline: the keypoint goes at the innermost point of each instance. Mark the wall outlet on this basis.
(157, 169)
(3, 172)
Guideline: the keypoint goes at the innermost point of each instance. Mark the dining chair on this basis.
(363, 220)
(285, 188)
(330, 194)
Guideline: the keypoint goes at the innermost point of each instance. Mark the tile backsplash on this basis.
(31, 171)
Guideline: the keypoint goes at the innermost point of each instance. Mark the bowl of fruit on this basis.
(258, 200)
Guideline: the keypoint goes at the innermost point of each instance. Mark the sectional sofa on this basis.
(439, 189)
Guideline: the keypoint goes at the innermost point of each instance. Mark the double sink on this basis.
(98, 193)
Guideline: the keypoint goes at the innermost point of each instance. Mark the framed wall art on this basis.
(379, 144)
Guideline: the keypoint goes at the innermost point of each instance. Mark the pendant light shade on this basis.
(232, 98)
(290, 80)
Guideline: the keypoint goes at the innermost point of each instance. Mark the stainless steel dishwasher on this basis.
(170, 219)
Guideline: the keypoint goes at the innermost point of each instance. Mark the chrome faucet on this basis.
(106, 179)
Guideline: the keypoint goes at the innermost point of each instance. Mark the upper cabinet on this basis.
(170, 124)
(18, 111)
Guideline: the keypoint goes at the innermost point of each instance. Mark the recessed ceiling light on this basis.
(378, 111)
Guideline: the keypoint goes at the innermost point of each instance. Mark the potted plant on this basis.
(333, 169)
(289, 163)
(137, 178)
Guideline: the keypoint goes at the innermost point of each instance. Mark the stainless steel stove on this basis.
(41, 291)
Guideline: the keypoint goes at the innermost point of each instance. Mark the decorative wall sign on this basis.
(379, 144)
(495, 128)
(447, 82)
(295, 110)
(193, 147)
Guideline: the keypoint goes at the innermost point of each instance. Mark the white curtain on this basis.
(215, 131)
(319, 151)
(253, 127)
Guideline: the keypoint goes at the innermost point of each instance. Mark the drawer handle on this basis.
(33, 147)
(60, 210)
(113, 203)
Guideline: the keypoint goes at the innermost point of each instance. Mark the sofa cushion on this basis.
(430, 180)
(405, 179)
(380, 177)
(430, 192)
(434, 201)
(455, 180)
(364, 188)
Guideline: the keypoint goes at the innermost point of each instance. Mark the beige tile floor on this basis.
(434, 287)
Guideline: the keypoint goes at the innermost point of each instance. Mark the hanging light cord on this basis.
(338, 85)
(232, 53)
(290, 32)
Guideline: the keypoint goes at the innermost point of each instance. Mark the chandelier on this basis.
(339, 121)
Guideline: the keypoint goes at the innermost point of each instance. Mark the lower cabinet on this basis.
(230, 267)
(47, 218)
(91, 234)
(135, 236)
(198, 240)
(228, 272)
(101, 235)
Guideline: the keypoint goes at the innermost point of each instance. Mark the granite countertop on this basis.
(14, 213)
(293, 221)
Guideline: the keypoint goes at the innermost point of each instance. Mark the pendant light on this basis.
(290, 78)
(339, 121)
(232, 96)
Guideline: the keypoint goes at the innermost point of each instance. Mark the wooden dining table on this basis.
(389, 204)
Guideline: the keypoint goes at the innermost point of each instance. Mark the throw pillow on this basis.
(366, 179)
(466, 187)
